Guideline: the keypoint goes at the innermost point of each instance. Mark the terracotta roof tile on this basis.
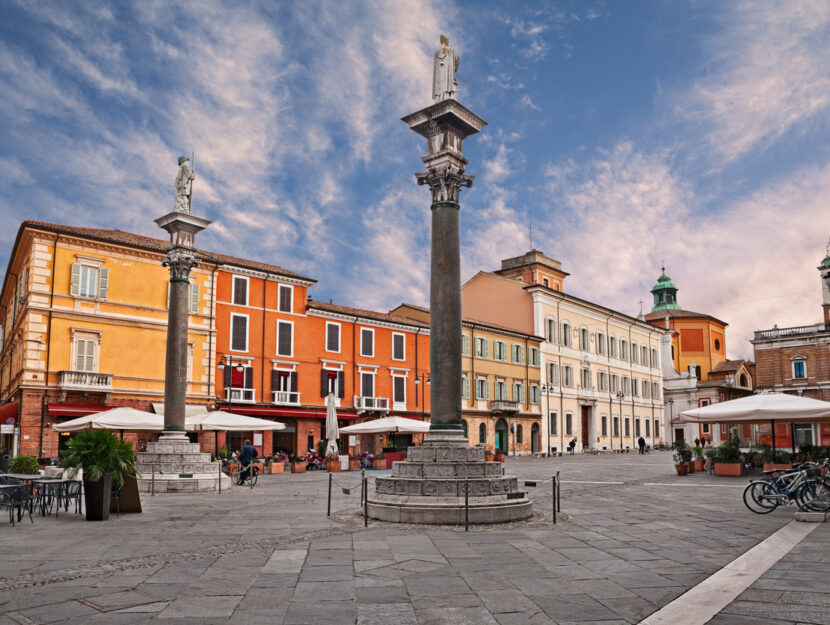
(680, 313)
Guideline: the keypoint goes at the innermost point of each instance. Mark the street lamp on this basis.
(621, 396)
(670, 402)
(229, 391)
(422, 377)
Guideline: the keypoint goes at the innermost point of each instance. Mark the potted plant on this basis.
(489, 455)
(775, 459)
(710, 459)
(679, 457)
(277, 464)
(728, 459)
(698, 459)
(27, 465)
(298, 464)
(106, 461)
(498, 456)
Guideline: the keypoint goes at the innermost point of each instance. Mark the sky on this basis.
(624, 136)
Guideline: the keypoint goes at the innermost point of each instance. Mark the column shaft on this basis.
(175, 377)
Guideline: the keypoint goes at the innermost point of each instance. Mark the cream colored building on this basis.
(601, 374)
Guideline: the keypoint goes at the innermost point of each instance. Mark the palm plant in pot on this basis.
(698, 461)
(681, 450)
(105, 461)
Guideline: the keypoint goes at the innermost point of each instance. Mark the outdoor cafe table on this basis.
(25, 477)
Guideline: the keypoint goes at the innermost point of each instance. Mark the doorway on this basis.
(534, 438)
(678, 434)
(501, 436)
(585, 430)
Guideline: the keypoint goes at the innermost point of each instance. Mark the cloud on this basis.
(771, 75)
(527, 102)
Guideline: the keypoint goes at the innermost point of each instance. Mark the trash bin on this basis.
(5, 459)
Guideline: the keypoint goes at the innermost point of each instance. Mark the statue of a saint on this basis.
(444, 85)
(184, 185)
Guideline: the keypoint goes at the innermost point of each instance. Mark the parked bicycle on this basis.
(247, 474)
(803, 485)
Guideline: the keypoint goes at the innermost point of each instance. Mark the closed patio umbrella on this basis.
(332, 432)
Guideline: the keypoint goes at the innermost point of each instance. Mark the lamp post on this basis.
(422, 380)
(621, 396)
(670, 402)
(229, 392)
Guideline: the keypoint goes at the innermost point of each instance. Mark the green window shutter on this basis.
(486, 345)
(75, 280)
(194, 297)
(103, 283)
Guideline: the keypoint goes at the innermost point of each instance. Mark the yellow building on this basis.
(501, 389)
(83, 314)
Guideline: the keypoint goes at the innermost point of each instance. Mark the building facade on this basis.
(601, 376)
(501, 384)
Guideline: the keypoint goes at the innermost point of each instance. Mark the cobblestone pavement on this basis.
(635, 537)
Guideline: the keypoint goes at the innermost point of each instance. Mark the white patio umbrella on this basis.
(121, 418)
(332, 433)
(388, 424)
(231, 422)
(760, 407)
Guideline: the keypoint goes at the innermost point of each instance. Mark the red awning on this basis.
(75, 410)
(8, 411)
(301, 413)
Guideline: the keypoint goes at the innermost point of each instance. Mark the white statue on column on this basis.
(444, 85)
(184, 185)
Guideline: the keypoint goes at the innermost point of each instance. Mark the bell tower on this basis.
(824, 269)
(665, 293)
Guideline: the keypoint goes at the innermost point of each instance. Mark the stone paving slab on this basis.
(620, 552)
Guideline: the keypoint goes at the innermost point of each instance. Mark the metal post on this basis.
(466, 505)
(153, 479)
(328, 512)
(558, 494)
(553, 495)
(365, 502)
(220, 476)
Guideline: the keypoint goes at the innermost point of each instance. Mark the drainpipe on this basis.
(211, 326)
(354, 355)
(417, 332)
(48, 348)
(262, 352)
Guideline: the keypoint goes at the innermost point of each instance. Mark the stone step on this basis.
(448, 487)
(177, 467)
(155, 457)
(445, 453)
(447, 469)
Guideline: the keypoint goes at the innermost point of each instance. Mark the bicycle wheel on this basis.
(252, 478)
(239, 478)
(820, 501)
(760, 497)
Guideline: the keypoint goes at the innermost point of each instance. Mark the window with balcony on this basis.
(367, 384)
(284, 387)
(239, 385)
(88, 279)
(85, 354)
(239, 332)
(332, 381)
(481, 348)
(500, 390)
(399, 392)
(240, 291)
(398, 346)
(367, 342)
(518, 353)
(332, 337)
(499, 350)
(285, 338)
(286, 298)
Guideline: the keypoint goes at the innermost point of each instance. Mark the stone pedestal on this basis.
(169, 459)
(429, 487)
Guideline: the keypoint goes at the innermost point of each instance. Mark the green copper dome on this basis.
(665, 293)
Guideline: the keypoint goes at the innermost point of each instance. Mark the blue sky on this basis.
(690, 133)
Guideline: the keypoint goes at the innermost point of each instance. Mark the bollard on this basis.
(328, 512)
(466, 505)
(365, 502)
(220, 476)
(558, 494)
(553, 498)
(153, 480)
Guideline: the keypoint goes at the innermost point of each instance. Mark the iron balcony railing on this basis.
(239, 394)
(371, 403)
(286, 398)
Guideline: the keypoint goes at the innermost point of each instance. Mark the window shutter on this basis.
(103, 282)
(226, 376)
(249, 377)
(75, 280)
(486, 344)
(194, 297)
(324, 383)
(23, 287)
(341, 384)
(275, 382)
(293, 377)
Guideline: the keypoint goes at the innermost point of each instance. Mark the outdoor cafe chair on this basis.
(72, 494)
(8, 499)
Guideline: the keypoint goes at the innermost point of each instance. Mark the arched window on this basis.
(482, 434)
(743, 380)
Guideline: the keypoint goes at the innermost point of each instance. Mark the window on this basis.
(705, 428)
(656, 427)
(600, 343)
(332, 337)
(85, 355)
(554, 423)
(584, 339)
(500, 388)
(286, 294)
(647, 423)
(586, 379)
(604, 425)
(535, 395)
(612, 347)
(626, 386)
(284, 384)
(567, 376)
(399, 389)
(550, 330)
(742, 380)
(239, 333)
(481, 348)
(518, 433)
(602, 380)
(654, 357)
(367, 384)
(703, 402)
(635, 387)
(569, 424)
(615, 383)
(553, 373)
(644, 357)
(646, 387)
(482, 434)
(367, 342)
(616, 422)
(627, 427)
(240, 291)
(566, 334)
(533, 356)
(398, 346)
(465, 345)
(482, 389)
(655, 390)
(634, 352)
(623, 350)
(519, 392)
(799, 369)
(637, 426)
(465, 387)
(499, 350)
(545, 282)
(518, 353)
(332, 381)
(86, 280)
(285, 338)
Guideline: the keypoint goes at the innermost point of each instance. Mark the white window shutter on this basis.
(194, 297)
(75, 280)
(103, 282)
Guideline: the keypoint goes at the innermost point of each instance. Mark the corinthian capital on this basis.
(445, 182)
(180, 261)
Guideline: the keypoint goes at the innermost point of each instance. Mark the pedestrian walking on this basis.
(572, 445)
(697, 442)
(642, 443)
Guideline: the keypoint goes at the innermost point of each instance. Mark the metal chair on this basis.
(116, 494)
(72, 492)
(8, 499)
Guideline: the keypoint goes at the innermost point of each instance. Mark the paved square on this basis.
(634, 537)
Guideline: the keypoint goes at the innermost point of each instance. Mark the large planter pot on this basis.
(698, 464)
(729, 470)
(276, 467)
(231, 469)
(379, 463)
(354, 464)
(690, 467)
(97, 498)
(681, 468)
(298, 467)
(498, 457)
(333, 466)
(489, 456)
(777, 467)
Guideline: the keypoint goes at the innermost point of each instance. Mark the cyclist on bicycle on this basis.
(246, 456)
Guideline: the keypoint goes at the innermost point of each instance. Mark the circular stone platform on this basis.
(429, 487)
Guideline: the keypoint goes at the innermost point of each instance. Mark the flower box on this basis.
(379, 463)
(276, 467)
(690, 467)
(777, 467)
(698, 464)
(729, 469)
(333, 466)
(354, 464)
(680, 468)
(230, 469)
(498, 457)
(298, 467)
